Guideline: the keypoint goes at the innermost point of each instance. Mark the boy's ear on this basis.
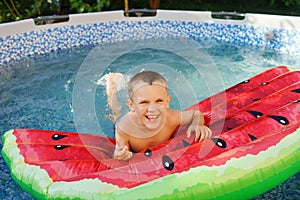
(168, 100)
(130, 105)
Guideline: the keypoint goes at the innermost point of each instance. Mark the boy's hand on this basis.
(122, 153)
(202, 132)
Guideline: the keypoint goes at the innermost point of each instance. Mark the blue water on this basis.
(61, 91)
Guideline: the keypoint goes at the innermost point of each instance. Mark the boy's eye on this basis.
(143, 102)
(159, 100)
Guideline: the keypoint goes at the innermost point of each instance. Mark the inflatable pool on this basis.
(255, 146)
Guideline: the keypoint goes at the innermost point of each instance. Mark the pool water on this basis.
(65, 90)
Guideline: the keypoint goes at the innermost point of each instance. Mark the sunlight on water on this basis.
(53, 91)
(66, 91)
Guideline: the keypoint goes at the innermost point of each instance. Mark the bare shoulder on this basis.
(174, 112)
(125, 125)
(183, 117)
(174, 116)
(122, 120)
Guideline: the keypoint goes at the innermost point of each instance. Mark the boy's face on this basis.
(150, 104)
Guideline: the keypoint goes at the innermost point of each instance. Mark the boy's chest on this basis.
(140, 143)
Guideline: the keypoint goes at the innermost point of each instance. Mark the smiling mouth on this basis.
(152, 117)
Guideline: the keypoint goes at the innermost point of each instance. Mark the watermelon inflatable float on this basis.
(255, 146)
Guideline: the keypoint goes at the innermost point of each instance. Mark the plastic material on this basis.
(255, 146)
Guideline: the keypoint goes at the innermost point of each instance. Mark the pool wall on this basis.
(25, 39)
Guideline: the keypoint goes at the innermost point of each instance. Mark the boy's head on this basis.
(148, 77)
(148, 100)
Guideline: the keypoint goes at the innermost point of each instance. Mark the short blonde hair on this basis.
(146, 77)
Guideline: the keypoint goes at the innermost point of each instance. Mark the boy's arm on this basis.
(112, 85)
(122, 150)
(196, 121)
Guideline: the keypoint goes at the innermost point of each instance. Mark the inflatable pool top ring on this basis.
(255, 146)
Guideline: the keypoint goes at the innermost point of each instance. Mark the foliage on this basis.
(88, 6)
(287, 3)
(285, 7)
(11, 10)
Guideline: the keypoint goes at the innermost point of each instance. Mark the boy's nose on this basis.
(151, 107)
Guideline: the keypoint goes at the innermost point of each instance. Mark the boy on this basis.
(150, 121)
